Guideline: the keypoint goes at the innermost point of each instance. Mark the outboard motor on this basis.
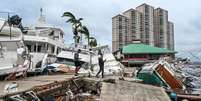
(16, 20)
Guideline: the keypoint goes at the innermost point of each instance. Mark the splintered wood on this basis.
(127, 91)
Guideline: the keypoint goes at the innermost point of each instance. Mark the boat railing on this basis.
(1, 51)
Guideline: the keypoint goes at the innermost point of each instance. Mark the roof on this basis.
(129, 10)
(142, 48)
(145, 5)
(118, 16)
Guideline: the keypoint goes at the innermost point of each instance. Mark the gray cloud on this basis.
(196, 25)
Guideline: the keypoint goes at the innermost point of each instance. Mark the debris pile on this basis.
(175, 79)
(74, 89)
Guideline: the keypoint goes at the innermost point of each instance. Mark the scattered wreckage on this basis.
(57, 88)
(89, 59)
(68, 88)
(164, 74)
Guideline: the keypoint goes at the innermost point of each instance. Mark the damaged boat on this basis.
(28, 48)
(160, 73)
(14, 59)
(89, 60)
(164, 74)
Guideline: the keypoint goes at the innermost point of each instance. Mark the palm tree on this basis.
(85, 31)
(93, 42)
(76, 25)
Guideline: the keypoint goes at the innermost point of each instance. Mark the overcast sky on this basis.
(97, 14)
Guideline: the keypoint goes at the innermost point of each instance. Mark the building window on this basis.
(29, 48)
(39, 49)
(58, 50)
(161, 20)
(161, 30)
(52, 49)
(120, 19)
(34, 48)
(120, 26)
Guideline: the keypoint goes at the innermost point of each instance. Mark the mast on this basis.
(41, 19)
(41, 12)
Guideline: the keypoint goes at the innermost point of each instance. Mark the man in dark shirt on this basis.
(77, 61)
(101, 63)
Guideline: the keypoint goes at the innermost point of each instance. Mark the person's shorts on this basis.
(77, 64)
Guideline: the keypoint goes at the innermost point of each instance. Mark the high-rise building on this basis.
(170, 35)
(119, 31)
(161, 28)
(134, 25)
(147, 11)
(145, 24)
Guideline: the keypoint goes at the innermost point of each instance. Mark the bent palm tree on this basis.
(76, 25)
(85, 31)
(91, 41)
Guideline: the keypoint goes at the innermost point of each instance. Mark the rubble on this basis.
(109, 81)
(69, 88)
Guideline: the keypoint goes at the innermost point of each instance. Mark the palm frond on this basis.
(68, 14)
(93, 43)
(70, 20)
(80, 19)
(92, 38)
(84, 30)
(78, 22)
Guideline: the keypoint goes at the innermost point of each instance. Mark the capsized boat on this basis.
(161, 73)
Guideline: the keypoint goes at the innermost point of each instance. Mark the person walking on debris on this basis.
(101, 63)
(77, 62)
